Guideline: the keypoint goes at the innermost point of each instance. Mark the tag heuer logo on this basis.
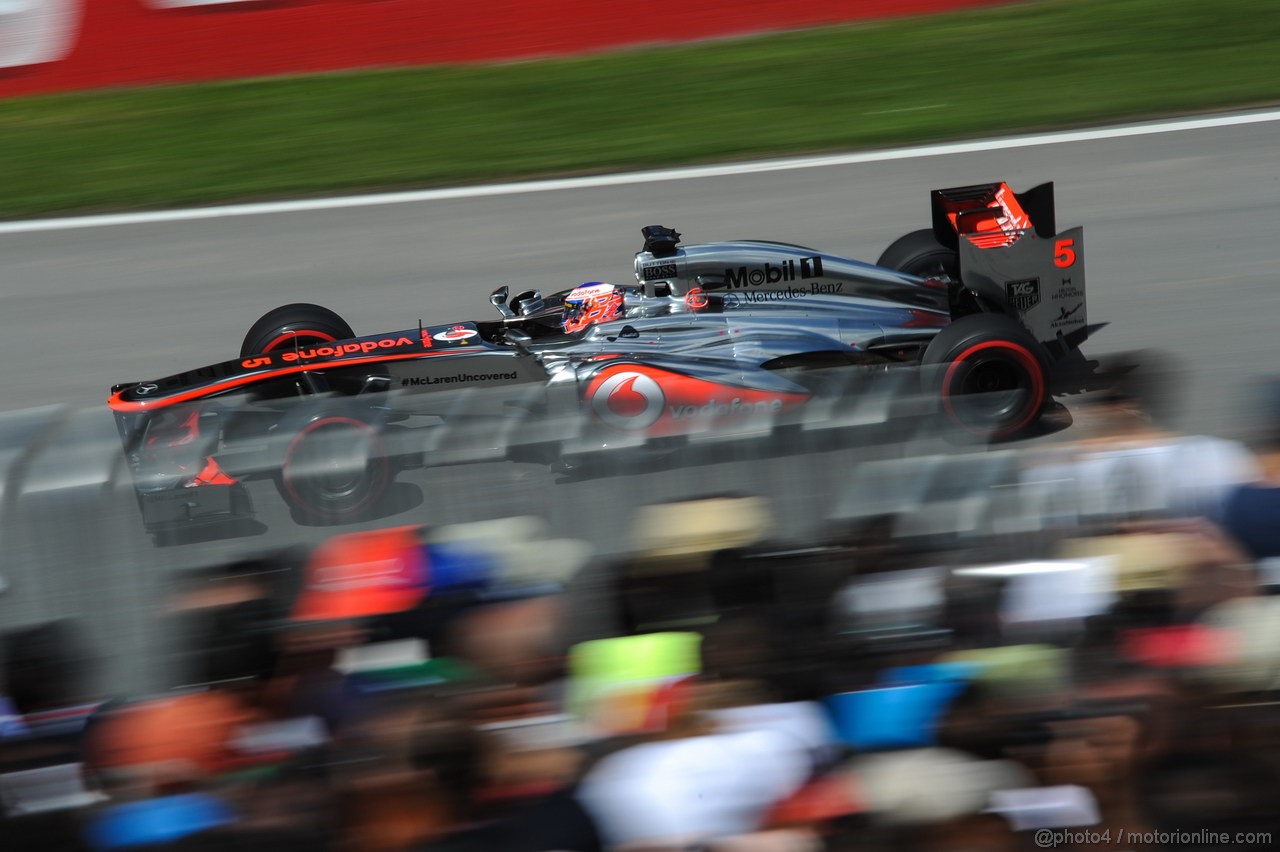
(1023, 295)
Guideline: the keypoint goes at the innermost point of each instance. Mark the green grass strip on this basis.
(1023, 67)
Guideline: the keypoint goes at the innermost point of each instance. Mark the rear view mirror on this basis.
(527, 303)
(498, 298)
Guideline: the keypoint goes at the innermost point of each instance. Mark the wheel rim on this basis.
(334, 467)
(994, 387)
(297, 337)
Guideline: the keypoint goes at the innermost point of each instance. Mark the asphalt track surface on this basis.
(1181, 232)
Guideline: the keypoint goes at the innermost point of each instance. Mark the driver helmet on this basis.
(590, 303)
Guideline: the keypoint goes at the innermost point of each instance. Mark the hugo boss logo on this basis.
(658, 271)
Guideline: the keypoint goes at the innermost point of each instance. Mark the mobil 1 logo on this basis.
(1023, 295)
(786, 270)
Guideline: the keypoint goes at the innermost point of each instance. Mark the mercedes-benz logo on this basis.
(143, 390)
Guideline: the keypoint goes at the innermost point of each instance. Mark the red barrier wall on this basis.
(52, 45)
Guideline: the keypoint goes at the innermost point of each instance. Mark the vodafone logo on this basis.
(629, 401)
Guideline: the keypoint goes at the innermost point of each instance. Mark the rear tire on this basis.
(919, 253)
(989, 374)
(294, 325)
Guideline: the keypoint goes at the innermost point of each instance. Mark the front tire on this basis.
(990, 376)
(335, 468)
(298, 324)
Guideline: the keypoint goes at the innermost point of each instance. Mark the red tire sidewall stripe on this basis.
(308, 429)
(1021, 354)
(295, 334)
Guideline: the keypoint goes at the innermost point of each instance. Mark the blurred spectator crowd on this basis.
(1097, 657)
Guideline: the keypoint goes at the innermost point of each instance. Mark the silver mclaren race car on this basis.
(986, 307)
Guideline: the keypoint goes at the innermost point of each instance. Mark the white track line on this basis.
(306, 205)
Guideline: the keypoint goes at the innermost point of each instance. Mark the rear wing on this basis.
(1011, 255)
(991, 213)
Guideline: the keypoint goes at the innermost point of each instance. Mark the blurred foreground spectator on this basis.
(47, 696)
(1131, 463)
(925, 683)
(1251, 510)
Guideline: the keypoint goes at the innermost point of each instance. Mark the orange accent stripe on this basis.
(118, 404)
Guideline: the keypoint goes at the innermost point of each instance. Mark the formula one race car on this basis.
(988, 305)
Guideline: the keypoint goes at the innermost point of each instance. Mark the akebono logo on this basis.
(658, 271)
(1068, 317)
(340, 350)
(743, 276)
(417, 381)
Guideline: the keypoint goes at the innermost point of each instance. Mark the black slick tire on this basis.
(294, 325)
(919, 253)
(990, 376)
(334, 466)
